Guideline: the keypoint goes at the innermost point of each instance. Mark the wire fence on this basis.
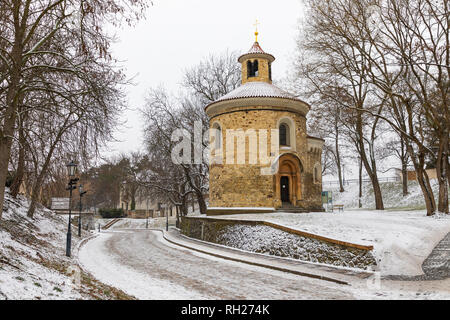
(347, 182)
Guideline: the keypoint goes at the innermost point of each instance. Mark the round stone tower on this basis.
(262, 158)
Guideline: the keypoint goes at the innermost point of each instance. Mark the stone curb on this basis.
(264, 265)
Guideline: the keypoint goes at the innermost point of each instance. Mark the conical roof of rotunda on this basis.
(256, 51)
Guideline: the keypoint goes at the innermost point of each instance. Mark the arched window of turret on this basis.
(284, 134)
(249, 69)
(252, 69)
(255, 68)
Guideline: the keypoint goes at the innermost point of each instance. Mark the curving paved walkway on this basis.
(144, 265)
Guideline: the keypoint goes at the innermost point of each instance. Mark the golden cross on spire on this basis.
(256, 32)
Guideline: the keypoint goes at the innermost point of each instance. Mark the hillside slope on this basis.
(33, 264)
(392, 195)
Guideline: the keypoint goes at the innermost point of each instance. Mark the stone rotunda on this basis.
(249, 176)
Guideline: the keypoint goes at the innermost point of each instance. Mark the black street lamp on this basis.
(146, 214)
(71, 171)
(167, 219)
(82, 193)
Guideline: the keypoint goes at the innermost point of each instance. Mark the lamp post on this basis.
(167, 219)
(71, 170)
(81, 192)
(343, 173)
(146, 213)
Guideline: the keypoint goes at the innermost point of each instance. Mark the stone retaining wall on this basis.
(268, 238)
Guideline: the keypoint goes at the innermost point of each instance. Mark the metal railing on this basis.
(347, 182)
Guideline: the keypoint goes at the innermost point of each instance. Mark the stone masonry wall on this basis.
(256, 237)
(242, 185)
(263, 71)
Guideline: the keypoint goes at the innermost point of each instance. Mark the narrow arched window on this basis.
(317, 173)
(284, 134)
(249, 69)
(217, 136)
(252, 69)
(255, 68)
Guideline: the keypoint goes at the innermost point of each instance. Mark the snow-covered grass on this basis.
(33, 264)
(391, 191)
(402, 240)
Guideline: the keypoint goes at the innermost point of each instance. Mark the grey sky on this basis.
(177, 34)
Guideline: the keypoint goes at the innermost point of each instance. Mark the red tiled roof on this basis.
(256, 49)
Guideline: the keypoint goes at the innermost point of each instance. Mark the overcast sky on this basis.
(178, 34)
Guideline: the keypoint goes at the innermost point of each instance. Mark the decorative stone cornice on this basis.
(287, 104)
(315, 145)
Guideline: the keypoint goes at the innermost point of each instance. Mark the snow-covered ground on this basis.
(402, 240)
(402, 236)
(33, 264)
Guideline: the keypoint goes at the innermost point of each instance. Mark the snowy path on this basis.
(143, 264)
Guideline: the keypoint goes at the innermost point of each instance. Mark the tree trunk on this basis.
(178, 217)
(184, 206)
(338, 156)
(338, 164)
(201, 202)
(9, 115)
(405, 179)
(360, 184)
(420, 173)
(20, 172)
(40, 178)
(404, 159)
(6, 135)
(441, 174)
(371, 171)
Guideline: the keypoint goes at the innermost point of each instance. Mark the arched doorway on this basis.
(284, 186)
(288, 180)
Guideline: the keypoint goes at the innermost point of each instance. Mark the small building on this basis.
(259, 112)
(412, 175)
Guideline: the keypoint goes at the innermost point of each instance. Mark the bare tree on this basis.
(403, 51)
(213, 77)
(45, 44)
(204, 83)
(325, 120)
(336, 72)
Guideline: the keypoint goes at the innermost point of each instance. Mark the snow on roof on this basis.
(256, 90)
(256, 49)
